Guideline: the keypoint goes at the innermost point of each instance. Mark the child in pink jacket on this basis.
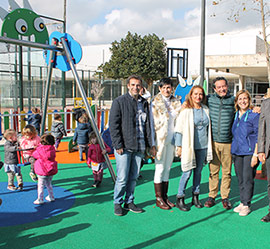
(96, 159)
(29, 141)
(45, 167)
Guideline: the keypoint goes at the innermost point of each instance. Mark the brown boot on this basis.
(159, 199)
(165, 196)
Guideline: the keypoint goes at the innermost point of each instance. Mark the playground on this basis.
(82, 216)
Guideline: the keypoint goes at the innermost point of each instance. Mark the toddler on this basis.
(11, 160)
(81, 135)
(29, 141)
(35, 119)
(58, 129)
(96, 159)
(45, 167)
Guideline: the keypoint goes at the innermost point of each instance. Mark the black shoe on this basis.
(139, 177)
(210, 202)
(118, 210)
(180, 203)
(132, 207)
(195, 201)
(20, 187)
(266, 218)
(98, 183)
(226, 204)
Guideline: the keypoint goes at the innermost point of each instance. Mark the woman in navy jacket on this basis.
(244, 149)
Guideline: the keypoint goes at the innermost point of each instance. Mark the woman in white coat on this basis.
(164, 110)
(193, 143)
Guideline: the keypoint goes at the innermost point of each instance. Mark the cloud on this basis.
(103, 21)
(167, 14)
(171, 19)
(192, 22)
(119, 21)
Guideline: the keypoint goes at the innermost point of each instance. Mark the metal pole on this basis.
(30, 44)
(41, 87)
(89, 84)
(29, 88)
(16, 74)
(88, 109)
(63, 87)
(63, 74)
(202, 42)
(47, 92)
(21, 77)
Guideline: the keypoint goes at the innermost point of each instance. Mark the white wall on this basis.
(93, 56)
(234, 43)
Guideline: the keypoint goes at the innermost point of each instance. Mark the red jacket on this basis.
(95, 153)
(45, 165)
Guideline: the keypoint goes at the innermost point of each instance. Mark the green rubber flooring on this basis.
(90, 222)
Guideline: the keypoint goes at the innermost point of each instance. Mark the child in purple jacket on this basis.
(45, 167)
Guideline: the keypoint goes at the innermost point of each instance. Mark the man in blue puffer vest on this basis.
(221, 107)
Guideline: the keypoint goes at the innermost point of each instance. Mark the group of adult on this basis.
(215, 128)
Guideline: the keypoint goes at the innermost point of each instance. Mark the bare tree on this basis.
(265, 14)
(263, 8)
(97, 90)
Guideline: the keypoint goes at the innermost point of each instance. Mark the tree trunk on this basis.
(149, 84)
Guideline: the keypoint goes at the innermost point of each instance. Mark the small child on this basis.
(29, 142)
(35, 119)
(81, 135)
(11, 160)
(58, 129)
(45, 167)
(96, 159)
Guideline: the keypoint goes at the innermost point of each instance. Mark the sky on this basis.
(93, 22)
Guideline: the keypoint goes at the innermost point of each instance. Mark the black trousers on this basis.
(245, 174)
(267, 164)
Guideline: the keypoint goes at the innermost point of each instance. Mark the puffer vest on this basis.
(221, 112)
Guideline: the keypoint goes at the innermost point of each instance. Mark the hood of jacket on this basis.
(46, 152)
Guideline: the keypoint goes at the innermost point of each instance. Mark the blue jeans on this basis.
(127, 168)
(57, 142)
(200, 156)
(83, 148)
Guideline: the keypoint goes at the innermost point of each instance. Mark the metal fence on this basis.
(14, 120)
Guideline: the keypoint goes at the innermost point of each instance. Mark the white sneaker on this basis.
(38, 202)
(238, 208)
(244, 211)
(48, 198)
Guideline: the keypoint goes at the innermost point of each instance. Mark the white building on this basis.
(239, 56)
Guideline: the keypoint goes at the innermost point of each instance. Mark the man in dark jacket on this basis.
(221, 109)
(130, 133)
(264, 145)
